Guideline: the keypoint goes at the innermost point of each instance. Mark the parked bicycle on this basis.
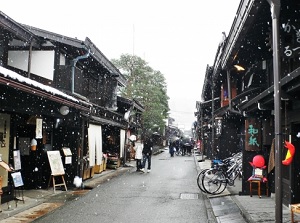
(223, 172)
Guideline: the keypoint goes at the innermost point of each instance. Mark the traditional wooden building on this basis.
(57, 92)
(244, 99)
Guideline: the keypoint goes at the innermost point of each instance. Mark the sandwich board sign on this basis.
(56, 164)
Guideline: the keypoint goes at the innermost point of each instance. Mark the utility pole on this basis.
(275, 13)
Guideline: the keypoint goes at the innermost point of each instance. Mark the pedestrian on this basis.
(182, 146)
(147, 152)
(172, 148)
(177, 146)
(138, 154)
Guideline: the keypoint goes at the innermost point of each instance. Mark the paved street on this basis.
(168, 194)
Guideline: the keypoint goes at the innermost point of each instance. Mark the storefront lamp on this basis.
(64, 110)
(239, 68)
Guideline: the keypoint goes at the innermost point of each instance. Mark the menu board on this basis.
(56, 164)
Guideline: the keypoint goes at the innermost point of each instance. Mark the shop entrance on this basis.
(111, 140)
(35, 167)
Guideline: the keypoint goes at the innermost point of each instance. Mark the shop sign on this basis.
(253, 135)
(291, 40)
(218, 124)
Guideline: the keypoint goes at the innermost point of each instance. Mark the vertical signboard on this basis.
(4, 144)
(253, 135)
(218, 124)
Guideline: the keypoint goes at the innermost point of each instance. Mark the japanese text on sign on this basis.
(253, 136)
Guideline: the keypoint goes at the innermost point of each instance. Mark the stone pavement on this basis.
(230, 207)
(39, 202)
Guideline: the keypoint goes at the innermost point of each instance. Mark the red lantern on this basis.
(258, 161)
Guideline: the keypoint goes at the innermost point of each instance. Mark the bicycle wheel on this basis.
(199, 180)
(214, 181)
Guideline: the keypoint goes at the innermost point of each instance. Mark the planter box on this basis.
(92, 169)
(113, 162)
(98, 168)
(86, 173)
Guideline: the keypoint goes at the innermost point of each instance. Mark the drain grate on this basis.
(188, 196)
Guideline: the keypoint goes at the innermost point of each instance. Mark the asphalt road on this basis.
(168, 194)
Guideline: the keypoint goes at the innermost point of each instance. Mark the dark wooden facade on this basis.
(41, 72)
(250, 93)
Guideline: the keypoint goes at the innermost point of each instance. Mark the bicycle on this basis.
(202, 173)
(215, 180)
(199, 180)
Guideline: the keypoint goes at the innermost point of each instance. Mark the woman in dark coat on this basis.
(147, 152)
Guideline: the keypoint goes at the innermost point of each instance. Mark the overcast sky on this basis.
(179, 38)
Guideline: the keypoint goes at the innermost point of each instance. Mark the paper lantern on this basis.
(33, 144)
(64, 110)
(258, 161)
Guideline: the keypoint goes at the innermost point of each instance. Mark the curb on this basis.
(94, 182)
(244, 213)
(209, 210)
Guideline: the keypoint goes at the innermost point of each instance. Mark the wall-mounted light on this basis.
(57, 122)
(64, 110)
(239, 68)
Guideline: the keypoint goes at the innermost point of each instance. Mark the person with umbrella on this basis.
(186, 145)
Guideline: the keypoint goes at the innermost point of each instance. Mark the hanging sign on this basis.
(253, 135)
(39, 128)
(17, 159)
(218, 124)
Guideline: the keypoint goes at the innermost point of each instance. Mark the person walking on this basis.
(138, 154)
(147, 152)
(182, 146)
(172, 147)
